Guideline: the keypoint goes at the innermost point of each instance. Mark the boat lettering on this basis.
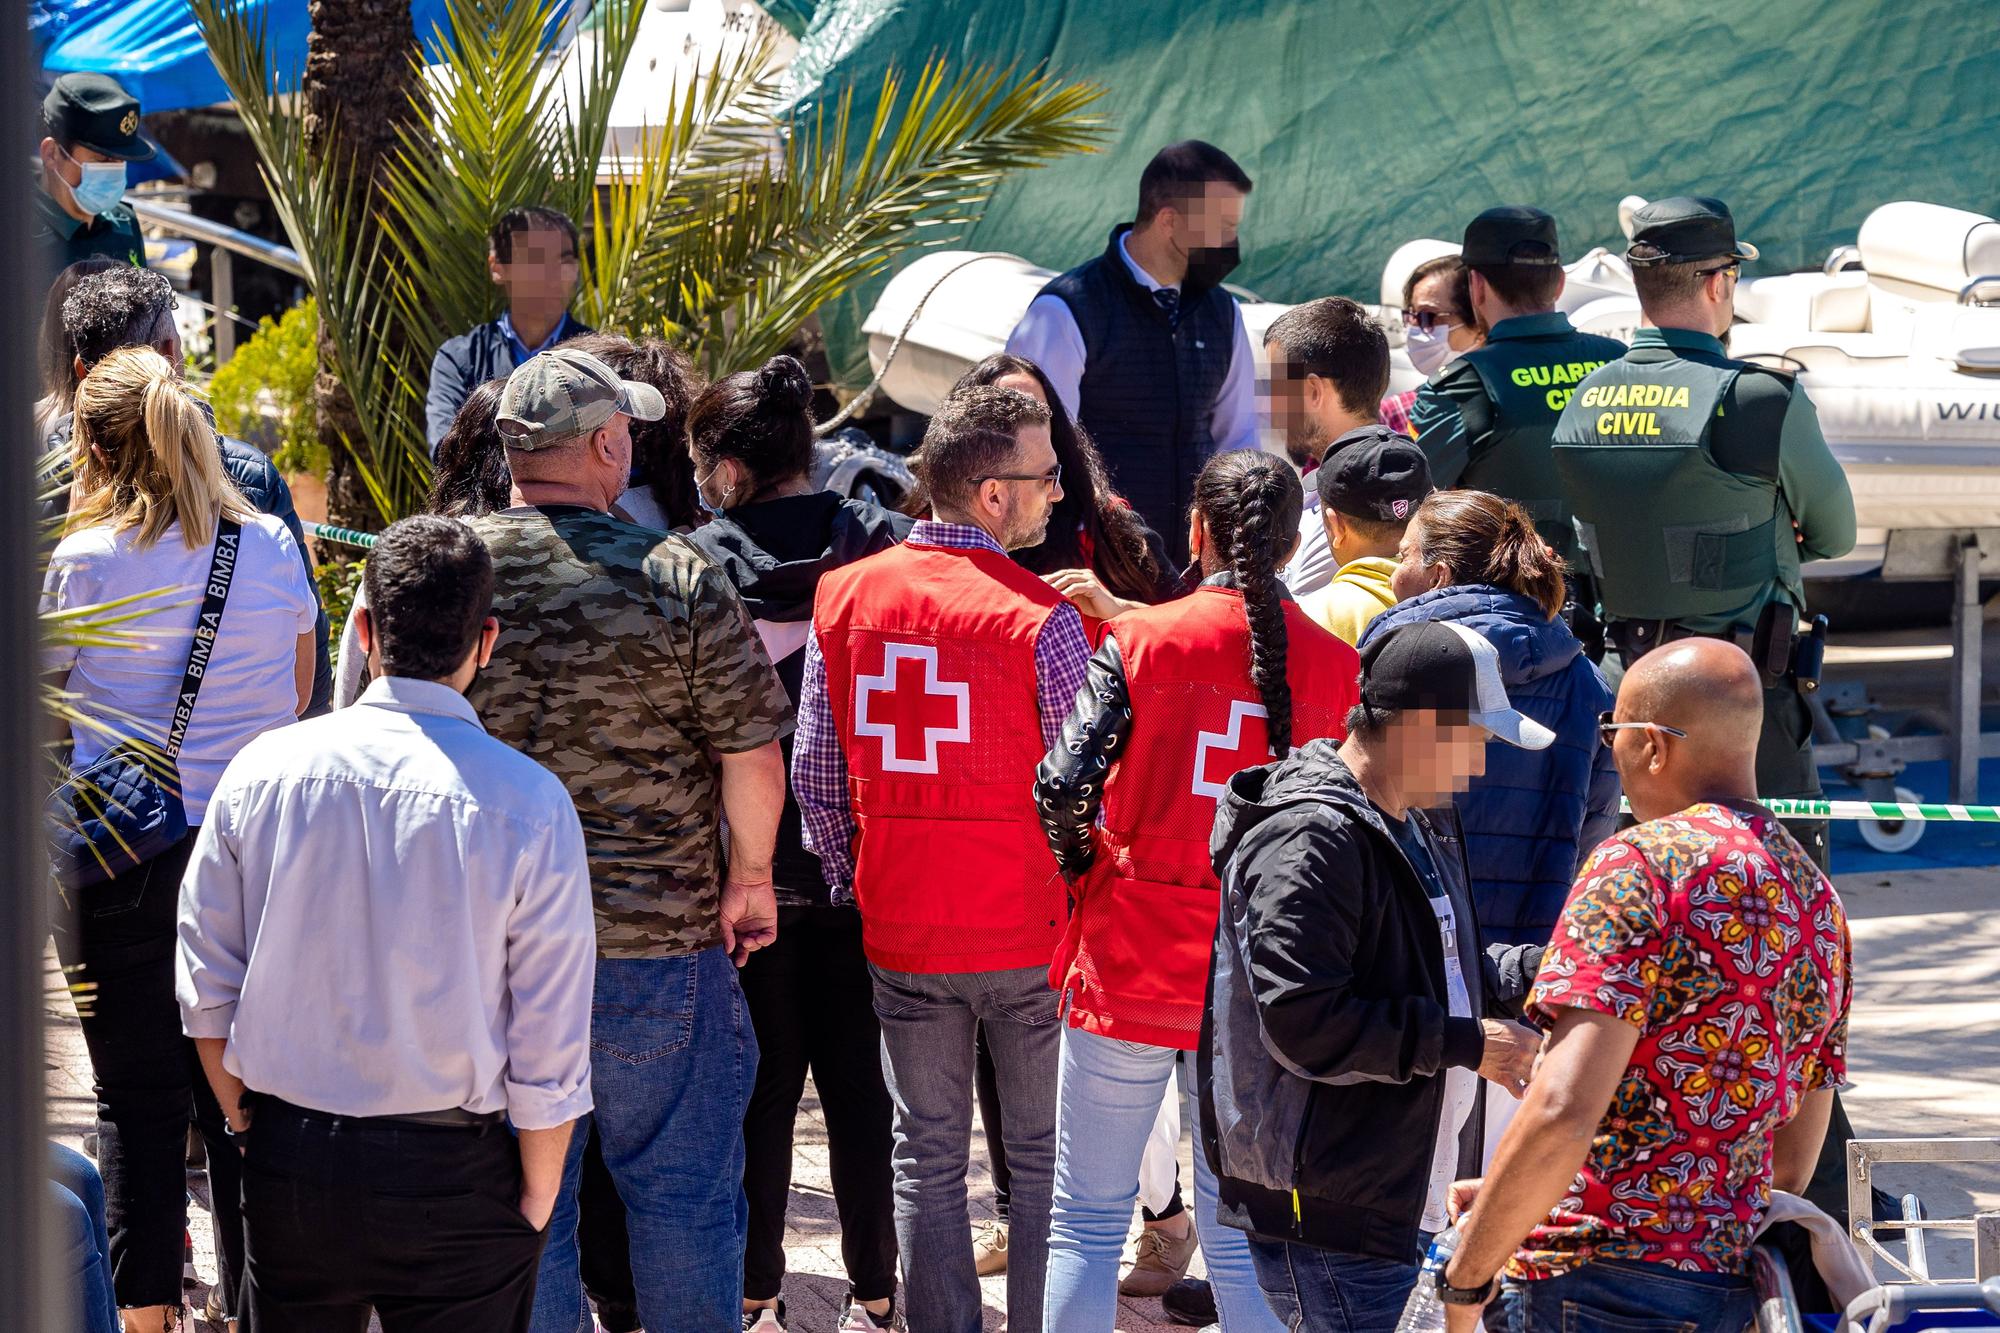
(1628, 423)
(1963, 411)
(1636, 395)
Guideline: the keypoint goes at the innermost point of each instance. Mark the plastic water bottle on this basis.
(1425, 1312)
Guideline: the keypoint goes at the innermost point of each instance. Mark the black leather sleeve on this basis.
(1069, 785)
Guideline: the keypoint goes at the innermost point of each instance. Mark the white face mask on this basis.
(101, 188)
(1430, 351)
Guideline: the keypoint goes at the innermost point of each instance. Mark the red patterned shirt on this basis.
(1714, 934)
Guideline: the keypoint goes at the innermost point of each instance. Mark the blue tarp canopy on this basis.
(155, 50)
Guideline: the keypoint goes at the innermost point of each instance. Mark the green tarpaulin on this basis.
(1367, 124)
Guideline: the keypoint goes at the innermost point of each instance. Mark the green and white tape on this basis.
(1877, 810)
(326, 532)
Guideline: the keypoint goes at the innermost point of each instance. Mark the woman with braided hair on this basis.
(1181, 697)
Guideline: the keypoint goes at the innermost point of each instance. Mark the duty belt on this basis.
(1781, 651)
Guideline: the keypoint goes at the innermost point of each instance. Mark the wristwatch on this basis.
(1451, 1295)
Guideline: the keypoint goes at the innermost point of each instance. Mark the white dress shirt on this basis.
(388, 912)
(1047, 335)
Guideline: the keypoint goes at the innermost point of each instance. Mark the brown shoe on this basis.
(989, 1249)
(1158, 1261)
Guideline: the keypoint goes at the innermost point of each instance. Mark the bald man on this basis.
(1695, 1000)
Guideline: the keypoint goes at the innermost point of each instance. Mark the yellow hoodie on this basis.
(1358, 593)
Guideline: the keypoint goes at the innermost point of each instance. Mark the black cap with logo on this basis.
(94, 111)
(1511, 234)
(1443, 665)
(1685, 230)
(1384, 478)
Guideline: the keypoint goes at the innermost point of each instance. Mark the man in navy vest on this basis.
(1142, 344)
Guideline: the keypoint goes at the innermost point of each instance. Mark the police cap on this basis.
(94, 111)
(1511, 234)
(1685, 230)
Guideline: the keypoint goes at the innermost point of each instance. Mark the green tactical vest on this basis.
(1528, 381)
(1668, 533)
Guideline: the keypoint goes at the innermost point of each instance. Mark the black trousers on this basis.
(419, 1223)
(812, 1003)
(119, 945)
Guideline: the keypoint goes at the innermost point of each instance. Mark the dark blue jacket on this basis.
(1536, 813)
(484, 352)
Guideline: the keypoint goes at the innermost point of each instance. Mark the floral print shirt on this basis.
(1714, 934)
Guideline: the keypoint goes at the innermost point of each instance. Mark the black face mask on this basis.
(1208, 265)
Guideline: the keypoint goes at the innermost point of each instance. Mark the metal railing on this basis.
(227, 242)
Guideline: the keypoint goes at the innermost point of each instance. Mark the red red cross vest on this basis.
(1135, 958)
(930, 672)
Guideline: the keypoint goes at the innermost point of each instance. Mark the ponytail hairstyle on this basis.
(146, 456)
(1481, 538)
(1251, 502)
(761, 418)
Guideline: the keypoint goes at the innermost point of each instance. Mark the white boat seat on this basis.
(1928, 245)
(1821, 302)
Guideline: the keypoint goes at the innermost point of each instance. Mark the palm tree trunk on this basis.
(357, 78)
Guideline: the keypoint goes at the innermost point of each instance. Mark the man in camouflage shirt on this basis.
(627, 666)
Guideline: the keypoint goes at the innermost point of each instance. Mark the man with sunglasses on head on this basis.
(92, 132)
(1486, 420)
(938, 674)
(1700, 484)
(1695, 996)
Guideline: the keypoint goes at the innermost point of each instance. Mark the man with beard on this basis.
(937, 675)
(1329, 369)
(1145, 348)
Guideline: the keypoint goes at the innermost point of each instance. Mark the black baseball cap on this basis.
(1442, 665)
(1511, 234)
(95, 111)
(1683, 230)
(1383, 478)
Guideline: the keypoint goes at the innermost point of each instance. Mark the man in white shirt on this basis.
(1143, 345)
(386, 953)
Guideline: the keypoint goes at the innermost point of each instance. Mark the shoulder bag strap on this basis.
(221, 571)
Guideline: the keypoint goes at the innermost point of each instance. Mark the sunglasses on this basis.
(1734, 269)
(1607, 730)
(1428, 320)
(1053, 477)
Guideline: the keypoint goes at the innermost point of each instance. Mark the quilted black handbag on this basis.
(124, 808)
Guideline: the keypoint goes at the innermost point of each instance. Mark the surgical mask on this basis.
(102, 186)
(701, 494)
(1208, 265)
(1430, 349)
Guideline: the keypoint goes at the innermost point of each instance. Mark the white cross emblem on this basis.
(1230, 742)
(958, 692)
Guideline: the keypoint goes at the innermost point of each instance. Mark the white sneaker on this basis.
(771, 1319)
(858, 1318)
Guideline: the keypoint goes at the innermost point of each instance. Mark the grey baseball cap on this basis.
(554, 397)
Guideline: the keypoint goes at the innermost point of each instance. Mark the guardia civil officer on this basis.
(1699, 484)
(91, 130)
(1486, 421)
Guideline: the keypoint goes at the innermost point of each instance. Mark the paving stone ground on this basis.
(1924, 1062)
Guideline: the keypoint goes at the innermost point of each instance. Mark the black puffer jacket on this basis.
(262, 485)
(1328, 1028)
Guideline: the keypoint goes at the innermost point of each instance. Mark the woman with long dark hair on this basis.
(811, 1000)
(662, 490)
(1180, 698)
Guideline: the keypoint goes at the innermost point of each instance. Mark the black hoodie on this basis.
(774, 552)
(1328, 1028)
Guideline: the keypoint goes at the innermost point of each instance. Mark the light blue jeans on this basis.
(672, 1061)
(1107, 1097)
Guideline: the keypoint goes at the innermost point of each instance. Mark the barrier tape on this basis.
(1876, 810)
(345, 536)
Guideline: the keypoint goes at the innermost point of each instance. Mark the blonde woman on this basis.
(151, 497)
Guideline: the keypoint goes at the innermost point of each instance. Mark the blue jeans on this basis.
(78, 1192)
(1107, 1098)
(672, 1062)
(1321, 1291)
(927, 1062)
(1612, 1296)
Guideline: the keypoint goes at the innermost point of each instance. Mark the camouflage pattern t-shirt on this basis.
(626, 666)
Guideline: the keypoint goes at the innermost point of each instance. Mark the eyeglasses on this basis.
(1607, 729)
(1428, 320)
(1733, 268)
(1053, 477)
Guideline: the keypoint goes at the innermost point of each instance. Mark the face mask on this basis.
(1208, 265)
(701, 493)
(102, 186)
(1430, 351)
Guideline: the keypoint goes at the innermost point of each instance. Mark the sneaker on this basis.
(1158, 1261)
(766, 1320)
(1189, 1302)
(858, 1318)
(989, 1249)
